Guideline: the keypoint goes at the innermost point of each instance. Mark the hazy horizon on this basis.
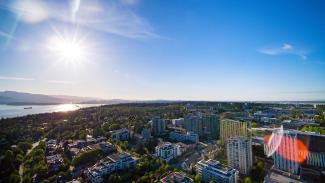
(164, 50)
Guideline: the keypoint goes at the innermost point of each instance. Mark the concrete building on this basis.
(278, 176)
(203, 124)
(194, 123)
(184, 137)
(178, 122)
(108, 165)
(176, 177)
(239, 154)
(211, 124)
(233, 128)
(214, 171)
(146, 134)
(120, 134)
(158, 125)
(167, 151)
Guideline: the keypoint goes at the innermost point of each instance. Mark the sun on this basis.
(68, 49)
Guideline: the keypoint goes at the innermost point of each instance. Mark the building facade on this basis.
(114, 162)
(239, 154)
(233, 128)
(184, 137)
(203, 124)
(167, 151)
(211, 125)
(120, 134)
(158, 125)
(146, 134)
(194, 123)
(214, 171)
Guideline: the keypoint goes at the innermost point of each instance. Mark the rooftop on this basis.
(176, 177)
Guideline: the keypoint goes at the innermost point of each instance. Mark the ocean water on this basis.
(9, 111)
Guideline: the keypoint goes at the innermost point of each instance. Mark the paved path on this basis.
(21, 166)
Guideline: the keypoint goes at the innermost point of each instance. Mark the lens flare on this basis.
(287, 146)
(67, 49)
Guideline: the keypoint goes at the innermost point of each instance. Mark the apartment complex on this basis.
(184, 137)
(120, 134)
(233, 128)
(239, 154)
(108, 165)
(158, 125)
(114, 162)
(203, 124)
(214, 171)
(166, 151)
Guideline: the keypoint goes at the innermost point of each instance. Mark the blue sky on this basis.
(167, 49)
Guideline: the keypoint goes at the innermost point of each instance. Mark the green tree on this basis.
(197, 179)
(248, 180)
(24, 146)
(14, 177)
(27, 179)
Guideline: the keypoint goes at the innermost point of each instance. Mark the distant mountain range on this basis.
(21, 98)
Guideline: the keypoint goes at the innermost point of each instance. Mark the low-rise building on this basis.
(183, 148)
(54, 162)
(276, 176)
(214, 171)
(184, 137)
(106, 147)
(53, 158)
(114, 162)
(176, 177)
(166, 151)
(120, 134)
(178, 122)
(74, 152)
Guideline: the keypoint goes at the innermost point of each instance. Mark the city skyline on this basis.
(138, 49)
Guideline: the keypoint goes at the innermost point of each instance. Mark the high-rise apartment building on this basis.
(194, 123)
(211, 124)
(203, 124)
(158, 125)
(239, 154)
(233, 128)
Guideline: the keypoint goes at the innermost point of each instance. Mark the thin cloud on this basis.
(114, 17)
(6, 35)
(15, 78)
(307, 92)
(61, 82)
(285, 49)
(287, 46)
(129, 2)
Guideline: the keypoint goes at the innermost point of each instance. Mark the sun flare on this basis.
(68, 49)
